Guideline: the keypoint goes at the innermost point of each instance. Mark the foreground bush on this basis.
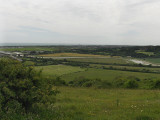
(131, 84)
(22, 88)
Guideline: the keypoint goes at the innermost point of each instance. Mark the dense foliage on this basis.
(130, 82)
(22, 88)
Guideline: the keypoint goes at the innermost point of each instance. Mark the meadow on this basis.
(109, 60)
(108, 104)
(58, 70)
(92, 103)
(152, 69)
(22, 49)
(75, 103)
(146, 53)
(153, 60)
(92, 100)
(107, 75)
(70, 55)
(69, 73)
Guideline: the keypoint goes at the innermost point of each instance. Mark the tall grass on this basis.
(108, 104)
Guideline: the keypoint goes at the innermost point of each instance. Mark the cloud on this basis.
(81, 21)
(143, 2)
(32, 29)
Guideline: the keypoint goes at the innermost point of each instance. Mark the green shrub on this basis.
(85, 82)
(119, 82)
(104, 84)
(133, 78)
(58, 82)
(144, 117)
(151, 83)
(131, 84)
(88, 83)
(22, 88)
(126, 82)
(81, 81)
(157, 84)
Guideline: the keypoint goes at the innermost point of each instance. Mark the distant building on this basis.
(129, 56)
(18, 54)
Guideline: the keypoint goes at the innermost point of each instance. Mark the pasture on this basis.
(22, 49)
(127, 67)
(107, 75)
(69, 73)
(109, 60)
(58, 70)
(146, 53)
(153, 60)
(92, 103)
(88, 91)
(70, 55)
(108, 104)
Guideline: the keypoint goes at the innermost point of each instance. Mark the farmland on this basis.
(58, 70)
(96, 83)
(70, 73)
(110, 60)
(22, 49)
(118, 67)
(153, 60)
(146, 53)
(108, 104)
(79, 60)
(70, 55)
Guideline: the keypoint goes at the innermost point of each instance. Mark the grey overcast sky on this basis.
(118, 22)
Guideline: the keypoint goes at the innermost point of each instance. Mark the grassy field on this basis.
(108, 104)
(69, 73)
(75, 103)
(58, 70)
(110, 60)
(126, 67)
(70, 55)
(153, 60)
(21, 49)
(146, 53)
(107, 75)
(95, 102)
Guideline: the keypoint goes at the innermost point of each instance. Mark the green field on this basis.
(84, 86)
(107, 75)
(108, 104)
(146, 53)
(70, 55)
(127, 67)
(21, 49)
(69, 73)
(58, 70)
(109, 60)
(153, 60)
(80, 103)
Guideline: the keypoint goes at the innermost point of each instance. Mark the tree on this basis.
(22, 88)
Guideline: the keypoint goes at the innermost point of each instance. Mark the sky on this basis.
(100, 22)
